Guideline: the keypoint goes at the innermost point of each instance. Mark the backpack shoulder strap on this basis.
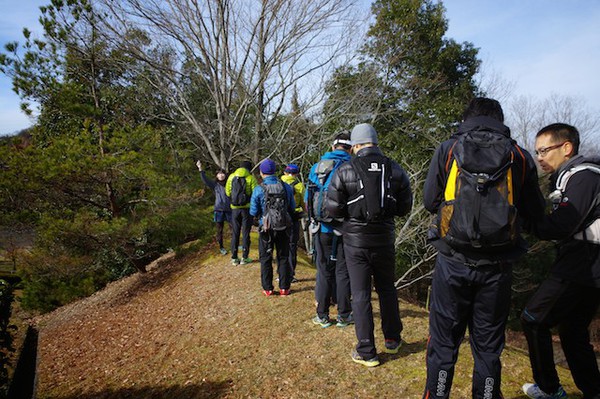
(523, 161)
(563, 178)
(450, 156)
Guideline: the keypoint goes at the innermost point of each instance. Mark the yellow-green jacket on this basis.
(250, 184)
(298, 190)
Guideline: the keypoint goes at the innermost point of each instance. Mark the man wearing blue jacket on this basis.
(333, 280)
(271, 236)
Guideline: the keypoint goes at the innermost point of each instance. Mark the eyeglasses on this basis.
(542, 152)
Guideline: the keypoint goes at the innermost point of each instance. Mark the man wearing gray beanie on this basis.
(367, 193)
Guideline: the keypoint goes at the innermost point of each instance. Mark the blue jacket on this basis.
(257, 202)
(340, 156)
(222, 201)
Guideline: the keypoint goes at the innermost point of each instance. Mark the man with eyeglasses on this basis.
(570, 297)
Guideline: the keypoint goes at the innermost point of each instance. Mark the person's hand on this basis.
(199, 165)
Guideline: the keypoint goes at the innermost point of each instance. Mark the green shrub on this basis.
(74, 258)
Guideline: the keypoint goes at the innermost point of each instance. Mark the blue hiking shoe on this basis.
(533, 391)
(323, 322)
(344, 321)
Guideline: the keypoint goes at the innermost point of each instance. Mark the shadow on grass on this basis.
(160, 275)
(205, 390)
(413, 313)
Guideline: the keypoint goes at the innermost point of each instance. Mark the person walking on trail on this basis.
(478, 182)
(273, 204)
(570, 297)
(290, 176)
(239, 187)
(367, 193)
(222, 208)
(333, 280)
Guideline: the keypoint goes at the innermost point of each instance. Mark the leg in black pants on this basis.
(294, 237)
(342, 282)
(246, 226)
(572, 307)
(325, 272)
(274, 241)
(362, 264)
(236, 227)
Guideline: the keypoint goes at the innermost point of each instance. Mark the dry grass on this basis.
(198, 327)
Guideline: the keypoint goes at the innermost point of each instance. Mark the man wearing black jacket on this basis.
(471, 287)
(369, 236)
(570, 297)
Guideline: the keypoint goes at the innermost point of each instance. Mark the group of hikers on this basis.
(483, 191)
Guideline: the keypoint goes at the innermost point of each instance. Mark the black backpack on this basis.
(373, 201)
(239, 196)
(478, 212)
(317, 196)
(276, 216)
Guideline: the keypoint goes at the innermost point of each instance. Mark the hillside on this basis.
(197, 327)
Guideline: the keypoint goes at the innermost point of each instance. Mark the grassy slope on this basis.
(197, 327)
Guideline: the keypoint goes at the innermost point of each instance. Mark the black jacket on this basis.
(359, 233)
(529, 200)
(576, 260)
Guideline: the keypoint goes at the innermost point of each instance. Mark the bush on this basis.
(75, 258)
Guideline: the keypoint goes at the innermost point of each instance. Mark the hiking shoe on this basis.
(235, 261)
(392, 346)
(356, 358)
(323, 322)
(344, 321)
(223, 251)
(268, 292)
(283, 292)
(294, 280)
(245, 261)
(533, 391)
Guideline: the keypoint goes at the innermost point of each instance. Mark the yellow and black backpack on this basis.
(478, 211)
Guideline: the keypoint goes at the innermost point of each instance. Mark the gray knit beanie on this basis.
(363, 133)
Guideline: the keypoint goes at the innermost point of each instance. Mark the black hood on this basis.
(483, 123)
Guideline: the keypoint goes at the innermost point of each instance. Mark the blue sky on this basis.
(542, 46)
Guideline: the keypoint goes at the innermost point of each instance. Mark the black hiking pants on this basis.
(333, 280)
(294, 238)
(380, 264)
(268, 242)
(473, 297)
(571, 307)
(240, 221)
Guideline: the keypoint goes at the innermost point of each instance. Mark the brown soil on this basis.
(198, 327)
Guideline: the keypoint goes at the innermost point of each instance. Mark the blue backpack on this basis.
(316, 196)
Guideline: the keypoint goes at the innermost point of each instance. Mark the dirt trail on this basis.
(198, 327)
